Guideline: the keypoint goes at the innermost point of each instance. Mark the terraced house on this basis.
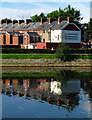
(40, 35)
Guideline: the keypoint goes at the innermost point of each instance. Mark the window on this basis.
(4, 39)
(11, 41)
(44, 40)
(21, 40)
(58, 37)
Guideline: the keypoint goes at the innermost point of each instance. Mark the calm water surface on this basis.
(66, 94)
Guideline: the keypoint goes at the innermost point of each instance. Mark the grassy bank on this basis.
(38, 56)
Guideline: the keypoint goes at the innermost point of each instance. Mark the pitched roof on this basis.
(53, 26)
(35, 34)
(22, 26)
(18, 33)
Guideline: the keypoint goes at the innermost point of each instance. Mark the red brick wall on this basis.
(15, 39)
(1, 40)
(7, 39)
(41, 46)
(71, 27)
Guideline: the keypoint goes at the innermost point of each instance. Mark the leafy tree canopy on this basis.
(68, 11)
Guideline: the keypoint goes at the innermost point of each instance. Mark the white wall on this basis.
(56, 87)
(54, 36)
(71, 36)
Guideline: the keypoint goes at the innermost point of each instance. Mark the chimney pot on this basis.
(51, 19)
(14, 21)
(8, 21)
(43, 20)
(60, 19)
(28, 21)
(20, 21)
(70, 19)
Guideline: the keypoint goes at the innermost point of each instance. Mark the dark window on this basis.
(4, 39)
(11, 41)
(21, 40)
(44, 40)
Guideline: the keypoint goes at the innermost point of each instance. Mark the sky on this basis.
(23, 9)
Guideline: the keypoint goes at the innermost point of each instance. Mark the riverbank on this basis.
(43, 62)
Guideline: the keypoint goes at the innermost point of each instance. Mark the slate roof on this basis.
(33, 34)
(53, 26)
(33, 26)
(18, 33)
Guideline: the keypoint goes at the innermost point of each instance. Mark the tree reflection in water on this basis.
(62, 89)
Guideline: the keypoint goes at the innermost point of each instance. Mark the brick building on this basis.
(40, 35)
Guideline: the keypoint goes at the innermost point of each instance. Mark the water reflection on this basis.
(43, 89)
(62, 89)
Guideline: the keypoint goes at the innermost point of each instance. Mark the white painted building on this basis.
(66, 35)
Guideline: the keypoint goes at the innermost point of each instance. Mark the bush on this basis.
(62, 52)
(25, 51)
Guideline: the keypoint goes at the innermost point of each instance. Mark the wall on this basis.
(54, 36)
(26, 39)
(15, 39)
(1, 40)
(46, 36)
(7, 39)
(41, 45)
(71, 36)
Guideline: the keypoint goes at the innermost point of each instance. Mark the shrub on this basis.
(62, 52)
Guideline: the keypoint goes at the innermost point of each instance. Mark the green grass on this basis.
(30, 56)
(46, 75)
(38, 56)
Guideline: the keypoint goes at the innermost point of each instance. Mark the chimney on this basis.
(43, 20)
(2, 21)
(14, 21)
(20, 21)
(60, 19)
(51, 19)
(70, 19)
(28, 21)
(8, 21)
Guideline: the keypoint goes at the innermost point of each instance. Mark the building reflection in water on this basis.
(50, 91)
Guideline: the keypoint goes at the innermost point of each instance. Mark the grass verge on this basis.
(38, 56)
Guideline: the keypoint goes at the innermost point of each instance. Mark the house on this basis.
(40, 35)
(14, 38)
(55, 32)
(30, 39)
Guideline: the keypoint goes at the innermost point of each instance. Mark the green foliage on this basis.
(88, 32)
(26, 51)
(68, 11)
(62, 52)
(37, 18)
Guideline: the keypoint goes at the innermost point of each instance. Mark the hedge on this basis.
(26, 51)
(30, 51)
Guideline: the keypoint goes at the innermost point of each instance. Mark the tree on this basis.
(68, 11)
(88, 32)
(62, 52)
